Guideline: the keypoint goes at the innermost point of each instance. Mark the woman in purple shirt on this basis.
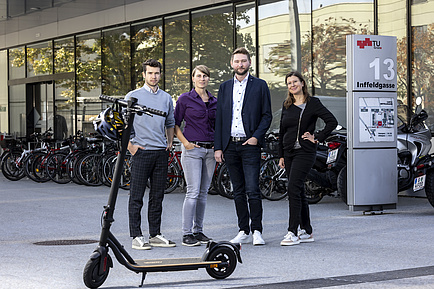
(197, 108)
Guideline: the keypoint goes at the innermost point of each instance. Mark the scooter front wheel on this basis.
(91, 276)
(229, 262)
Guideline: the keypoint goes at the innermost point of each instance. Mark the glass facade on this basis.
(146, 42)
(177, 55)
(39, 59)
(88, 78)
(213, 42)
(17, 59)
(282, 35)
(422, 58)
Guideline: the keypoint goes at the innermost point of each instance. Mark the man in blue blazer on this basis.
(243, 117)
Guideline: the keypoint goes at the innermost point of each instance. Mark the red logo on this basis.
(363, 43)
(367, 42)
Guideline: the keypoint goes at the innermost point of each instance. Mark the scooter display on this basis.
(219, 258)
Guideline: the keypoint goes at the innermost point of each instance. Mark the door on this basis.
(39, 107)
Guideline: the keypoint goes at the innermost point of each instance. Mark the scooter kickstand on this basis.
(143, 279)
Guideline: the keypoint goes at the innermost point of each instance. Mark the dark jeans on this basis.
(298, 164)
(147, 164)
(243, 162)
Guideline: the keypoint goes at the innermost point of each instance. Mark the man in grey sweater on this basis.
(150, 141)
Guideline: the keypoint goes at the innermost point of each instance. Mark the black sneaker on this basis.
(190, 240)
(202, 238)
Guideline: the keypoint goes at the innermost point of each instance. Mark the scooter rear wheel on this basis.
(225, 255)
(91, 276)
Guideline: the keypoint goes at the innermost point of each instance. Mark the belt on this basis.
(206, 145)
(238, 139)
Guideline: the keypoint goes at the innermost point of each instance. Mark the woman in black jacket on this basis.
(297, 151)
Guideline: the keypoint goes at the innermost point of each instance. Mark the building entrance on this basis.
(39, 107)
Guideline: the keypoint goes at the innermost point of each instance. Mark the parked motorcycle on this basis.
(331, 158)
(415, 164)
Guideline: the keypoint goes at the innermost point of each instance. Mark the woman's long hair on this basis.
(290, 99)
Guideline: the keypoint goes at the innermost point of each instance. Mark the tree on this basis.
(329, 54)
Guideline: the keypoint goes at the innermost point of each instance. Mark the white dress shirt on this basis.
(239, 90)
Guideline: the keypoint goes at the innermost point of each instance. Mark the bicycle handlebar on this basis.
(140, 108)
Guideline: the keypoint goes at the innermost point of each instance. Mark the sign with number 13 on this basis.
(374, 63)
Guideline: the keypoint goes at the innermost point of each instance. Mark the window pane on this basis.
(4, 94)
(116, 73)
(64, 55)
(64, 109)
(16, 63)
(177, 56)
(331, 23)
(16, 8)
(88, 51)
(391, 21)
(147, 42)
(35, 5)
(213, 43)
(39, 59)
(246, 31)
(423, 57)
(17, 109)
(277, 48)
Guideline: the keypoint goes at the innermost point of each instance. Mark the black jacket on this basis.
(256, 112)
(289, 125)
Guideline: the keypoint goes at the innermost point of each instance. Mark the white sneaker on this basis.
(257, 238)
(290, 239)
(140, 243)
(305, 237)
(161, 241)
(242, 238)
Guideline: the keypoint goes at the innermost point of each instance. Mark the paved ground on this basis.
(351, 250)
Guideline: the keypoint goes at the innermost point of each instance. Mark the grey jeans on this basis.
(198, 165)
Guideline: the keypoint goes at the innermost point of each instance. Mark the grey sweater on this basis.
(150, 131)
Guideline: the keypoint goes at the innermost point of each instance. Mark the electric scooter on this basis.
(219, 259)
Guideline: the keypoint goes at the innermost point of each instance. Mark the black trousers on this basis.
(298, 164)
(244, 163)
(147, 164)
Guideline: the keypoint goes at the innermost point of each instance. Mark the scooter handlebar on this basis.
(141, 108)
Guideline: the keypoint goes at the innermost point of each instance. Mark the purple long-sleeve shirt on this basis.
(199, 116)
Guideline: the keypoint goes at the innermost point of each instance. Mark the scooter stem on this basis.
(114, 188)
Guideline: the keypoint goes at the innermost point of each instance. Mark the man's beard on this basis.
(242, 72)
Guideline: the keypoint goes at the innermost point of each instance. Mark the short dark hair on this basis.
(202, 68)
(151, 63)
(241, 50)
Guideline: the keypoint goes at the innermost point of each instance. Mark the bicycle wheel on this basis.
(70, 166)
(224, 183)
(214, 189)
(87, 169)
(173, 177)
(109, 170)
(35, 167)
(11, 168)
(56, 168)
(126, 173)
(273, 180)
(102, 167)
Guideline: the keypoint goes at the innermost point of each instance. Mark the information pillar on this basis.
(372, 115)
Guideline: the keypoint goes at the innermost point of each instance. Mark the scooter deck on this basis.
(167, 264)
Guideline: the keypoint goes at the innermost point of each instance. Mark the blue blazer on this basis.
(256, 111)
